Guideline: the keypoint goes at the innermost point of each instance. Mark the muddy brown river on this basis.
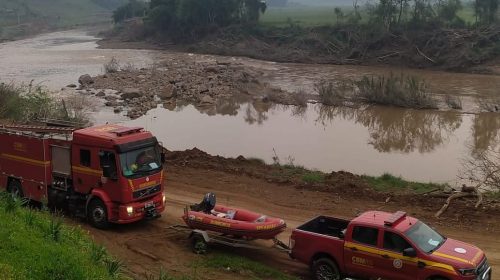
(418, 145)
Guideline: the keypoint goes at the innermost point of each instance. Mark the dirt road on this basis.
(147, 246)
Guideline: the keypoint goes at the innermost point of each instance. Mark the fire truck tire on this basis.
(325, 269)
(16, 189)
(97, 214)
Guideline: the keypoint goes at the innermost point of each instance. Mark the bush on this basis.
(400, 91)
(28, 103)
(330, 93)
(112, 66)
(300, 98)
(313, 177)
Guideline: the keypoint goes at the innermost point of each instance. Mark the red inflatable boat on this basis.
(235, 222)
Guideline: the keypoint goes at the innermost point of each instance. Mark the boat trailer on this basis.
(201, 240)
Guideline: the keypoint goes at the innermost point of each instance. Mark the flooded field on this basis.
(418, 145)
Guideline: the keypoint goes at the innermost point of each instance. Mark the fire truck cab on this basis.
(108, 174)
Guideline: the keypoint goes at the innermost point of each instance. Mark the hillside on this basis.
(37, 245)
(25, 17)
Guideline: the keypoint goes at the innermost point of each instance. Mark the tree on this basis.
(251, 10)
(483, 170)
(339, 14)
(181, 18)
(447, 12)
(385, 12)
(486, 11)
(132, 9)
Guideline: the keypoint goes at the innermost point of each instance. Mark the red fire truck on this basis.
(108, 174)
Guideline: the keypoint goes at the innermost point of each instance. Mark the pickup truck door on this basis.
(361, 258)
(393, 265)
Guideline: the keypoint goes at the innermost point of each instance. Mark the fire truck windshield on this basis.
(427, 239)
(140, 162)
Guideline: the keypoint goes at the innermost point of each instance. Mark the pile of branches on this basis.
(484, 170)
(455, 49)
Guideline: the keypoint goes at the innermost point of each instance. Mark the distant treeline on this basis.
(188, 18)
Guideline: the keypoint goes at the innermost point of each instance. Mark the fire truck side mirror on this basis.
(163, 158)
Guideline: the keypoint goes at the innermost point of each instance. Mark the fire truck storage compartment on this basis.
(61, 161)
(23, 157)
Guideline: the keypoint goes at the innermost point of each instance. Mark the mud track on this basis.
(147, 246)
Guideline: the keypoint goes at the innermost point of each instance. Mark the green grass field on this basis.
(36, 245)
(316, 16)
(308, 16)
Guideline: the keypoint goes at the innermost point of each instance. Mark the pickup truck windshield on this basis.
(140, 162)
(427, 239)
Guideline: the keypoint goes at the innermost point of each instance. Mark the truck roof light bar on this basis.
(127, 130)
(395, 218)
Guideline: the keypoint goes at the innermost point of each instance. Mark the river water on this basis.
(416, 144)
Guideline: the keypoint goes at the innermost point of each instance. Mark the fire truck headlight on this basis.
(164, 199)
(130, 210)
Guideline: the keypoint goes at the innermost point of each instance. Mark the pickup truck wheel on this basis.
(16, 190)
(325, 269)
(97, 214)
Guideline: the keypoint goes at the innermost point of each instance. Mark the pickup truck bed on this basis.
(326, 226)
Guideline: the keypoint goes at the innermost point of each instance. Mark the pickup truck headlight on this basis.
(130, 210)
(467, 271)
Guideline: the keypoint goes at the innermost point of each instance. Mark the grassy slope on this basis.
(69, 11)
(390, 183)
(34, 245)
(48, 14)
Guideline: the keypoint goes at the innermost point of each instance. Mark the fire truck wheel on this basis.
(15, 189)
(325, 269)
(97, 214)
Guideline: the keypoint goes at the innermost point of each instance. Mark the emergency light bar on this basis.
(395, 218)
(126, 130)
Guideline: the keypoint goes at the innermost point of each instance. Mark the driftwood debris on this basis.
(466, 191)
(450, 198)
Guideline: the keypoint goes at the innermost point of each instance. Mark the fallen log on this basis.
(448, 201)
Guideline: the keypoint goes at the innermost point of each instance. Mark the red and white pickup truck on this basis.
(381, 245)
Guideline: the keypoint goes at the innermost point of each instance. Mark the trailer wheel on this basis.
(325, 269)
(97, 214)
(15, 189)
(199, 244)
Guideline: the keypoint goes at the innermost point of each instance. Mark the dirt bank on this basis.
(440, 49)
(248, 183)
